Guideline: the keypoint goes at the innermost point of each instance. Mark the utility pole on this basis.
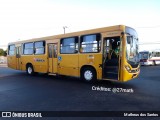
(64, 28)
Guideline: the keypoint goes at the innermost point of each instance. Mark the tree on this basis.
(2, 52)
(5, 53)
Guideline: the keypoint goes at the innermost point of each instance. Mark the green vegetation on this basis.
(3, 52)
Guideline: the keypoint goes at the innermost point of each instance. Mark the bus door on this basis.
(18, 58)
(52, 57)
(111, 59)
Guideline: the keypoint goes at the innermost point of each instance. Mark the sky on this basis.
(26, 19)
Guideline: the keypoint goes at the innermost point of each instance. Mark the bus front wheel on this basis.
(30, 70)
(88, 74)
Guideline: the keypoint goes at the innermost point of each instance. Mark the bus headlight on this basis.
(128, 68)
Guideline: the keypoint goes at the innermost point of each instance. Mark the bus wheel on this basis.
(30, 70)
(153, 63)
(88, 74)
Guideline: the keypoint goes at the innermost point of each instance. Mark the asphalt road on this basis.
(20, 92)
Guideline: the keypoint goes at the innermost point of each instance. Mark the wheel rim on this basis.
(29, 70)
(88, 75)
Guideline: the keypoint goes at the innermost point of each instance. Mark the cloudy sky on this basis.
(25, 19)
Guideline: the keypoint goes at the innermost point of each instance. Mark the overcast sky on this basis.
(25, 19)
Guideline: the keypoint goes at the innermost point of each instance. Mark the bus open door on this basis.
(111, 58)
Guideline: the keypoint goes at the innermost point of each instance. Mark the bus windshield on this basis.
(143, 55)
(132, 47)
(132, 50)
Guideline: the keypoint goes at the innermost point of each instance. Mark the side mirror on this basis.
(129, 39)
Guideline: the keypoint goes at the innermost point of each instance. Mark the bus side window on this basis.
(11, 50)
(55, 51)
(90, 43)
(69, 45)
(39, 47)
(50, 51)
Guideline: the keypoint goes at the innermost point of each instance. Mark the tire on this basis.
(88, 74)
(30, 70)
(154, 63)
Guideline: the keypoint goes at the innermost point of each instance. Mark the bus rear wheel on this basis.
(153, 63)
(88, 74)
(30, 70)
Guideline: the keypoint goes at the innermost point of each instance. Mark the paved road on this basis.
(20, 92)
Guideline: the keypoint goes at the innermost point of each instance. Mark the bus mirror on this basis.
(129, 39)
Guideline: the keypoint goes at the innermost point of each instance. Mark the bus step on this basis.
(111, 75)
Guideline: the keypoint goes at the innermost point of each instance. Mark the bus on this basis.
(149, 57)
(108, 53)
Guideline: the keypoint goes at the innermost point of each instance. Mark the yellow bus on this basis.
(109, 53)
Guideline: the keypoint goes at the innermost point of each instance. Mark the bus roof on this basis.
(91, 31)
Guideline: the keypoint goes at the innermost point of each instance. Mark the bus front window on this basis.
(132, 50)
(144, 55)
